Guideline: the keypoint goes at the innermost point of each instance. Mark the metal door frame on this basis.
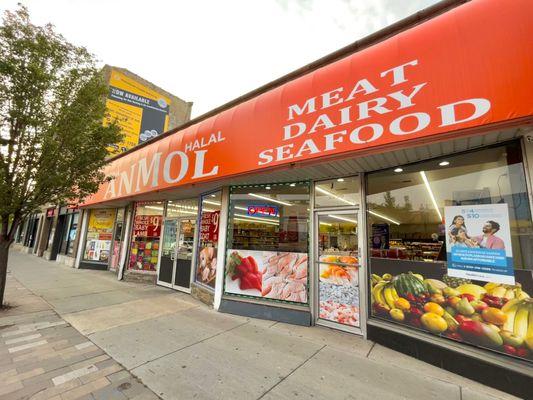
(172, 284)
(162, 239)
(357, 211)
(195, 223)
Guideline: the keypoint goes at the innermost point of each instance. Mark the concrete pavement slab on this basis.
(241, 363)
(334, 374)
(327, 336)
(156, 337)
(72, 291)
(66, 305)
(100, 319)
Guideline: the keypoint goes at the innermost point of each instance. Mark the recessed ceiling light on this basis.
(340, 180)
(213, 195)
(444, 163)
(292, 184)
(267, 187)
(398, 169)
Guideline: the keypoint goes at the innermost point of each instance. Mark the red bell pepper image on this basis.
(246, 270)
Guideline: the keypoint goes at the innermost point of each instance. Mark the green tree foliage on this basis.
(52, 140)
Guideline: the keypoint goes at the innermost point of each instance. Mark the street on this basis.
(82, 334)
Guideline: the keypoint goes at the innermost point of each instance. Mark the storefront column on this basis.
(125, 243)
(82, 235)
(364, 301)
(528, 163)
(221, 252)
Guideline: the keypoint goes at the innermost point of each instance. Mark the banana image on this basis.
(521, 321)
(389, 294)
(377, 291)
(510, 309)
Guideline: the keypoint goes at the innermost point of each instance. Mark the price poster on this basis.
(147, 225)
(209, 226)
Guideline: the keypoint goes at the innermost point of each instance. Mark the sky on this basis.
(208, 51)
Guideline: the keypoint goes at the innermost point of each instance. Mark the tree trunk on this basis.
(4, 255)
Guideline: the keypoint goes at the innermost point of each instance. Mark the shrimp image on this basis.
(207, 264)
(285, 277)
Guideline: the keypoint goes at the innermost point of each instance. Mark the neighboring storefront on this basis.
(384, 191)
(145, 238)
(98, 238)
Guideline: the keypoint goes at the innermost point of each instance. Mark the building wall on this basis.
(180, 110)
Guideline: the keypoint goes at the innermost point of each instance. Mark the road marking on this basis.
(84, 345)
(23, 339)
(27, 346)
(59, 380)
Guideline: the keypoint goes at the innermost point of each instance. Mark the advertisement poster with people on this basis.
(478, 243)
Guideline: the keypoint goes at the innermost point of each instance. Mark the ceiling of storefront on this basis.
(329, 168)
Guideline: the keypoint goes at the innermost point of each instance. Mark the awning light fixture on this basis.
(430, 192)
(342, 218)
(270, 199)
(248, 219)
(327, 193)
(383, 217)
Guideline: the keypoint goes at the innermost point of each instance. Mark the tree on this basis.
(52, 138)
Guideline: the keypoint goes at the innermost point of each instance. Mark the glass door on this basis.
(168, 252)
(185, 245)
(338, 268)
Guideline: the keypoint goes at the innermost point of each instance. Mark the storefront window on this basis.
(268, 242)
(99, 234)
(182, 208)
(451, 246)
(340, 192)
(144, 251)
(206, 267)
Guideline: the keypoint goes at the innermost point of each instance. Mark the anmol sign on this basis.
(466, 68)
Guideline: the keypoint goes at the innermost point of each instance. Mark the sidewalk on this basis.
(83, 334)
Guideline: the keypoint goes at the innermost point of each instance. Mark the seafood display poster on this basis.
(478, 243)
(339, 289)
(267, 274)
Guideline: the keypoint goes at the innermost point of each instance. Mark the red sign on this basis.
(50, 212)
(209, 226)
(270, 211)
(466, 68)
(105, 236)
(147, 225)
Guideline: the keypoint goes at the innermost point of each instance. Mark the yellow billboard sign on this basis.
(141, 112)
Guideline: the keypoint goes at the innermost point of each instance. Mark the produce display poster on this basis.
(478, 243)
(338, 289)
(140, 112)
(267, 274)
